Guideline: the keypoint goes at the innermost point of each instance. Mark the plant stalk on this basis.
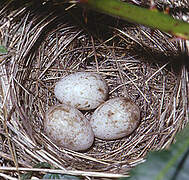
(148, 17)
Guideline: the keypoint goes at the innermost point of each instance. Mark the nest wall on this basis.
(47, 43)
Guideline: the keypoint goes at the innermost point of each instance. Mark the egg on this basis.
(114, 119)
(83, 90)
(67, 127)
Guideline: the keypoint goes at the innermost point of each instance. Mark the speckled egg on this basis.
(83, 90)
(114, 119)
(67, 127)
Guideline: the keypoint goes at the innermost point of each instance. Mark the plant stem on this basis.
(180, 165)
(135, 14)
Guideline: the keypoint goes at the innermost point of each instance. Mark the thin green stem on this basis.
(172, 161)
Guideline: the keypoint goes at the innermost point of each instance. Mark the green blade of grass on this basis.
(135, 14)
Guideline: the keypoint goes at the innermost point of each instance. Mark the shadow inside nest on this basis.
(175, 60)
(102, 27)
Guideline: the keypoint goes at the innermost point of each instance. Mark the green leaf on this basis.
(39, 165)
(49, 175)
(43, 165)
(26, 176)
(3, 50)
(60, 176)
(163, 165)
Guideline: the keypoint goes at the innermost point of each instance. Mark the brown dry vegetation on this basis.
(47, 42)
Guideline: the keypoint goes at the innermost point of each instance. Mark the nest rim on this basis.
(122, 75)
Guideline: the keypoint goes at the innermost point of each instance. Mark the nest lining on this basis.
(43, 48)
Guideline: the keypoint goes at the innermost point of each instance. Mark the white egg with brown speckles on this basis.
(83, 90)
(114, 119)
(67, 127)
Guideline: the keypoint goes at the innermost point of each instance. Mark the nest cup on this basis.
(45, 45)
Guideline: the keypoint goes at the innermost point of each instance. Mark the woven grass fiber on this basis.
(48, 40)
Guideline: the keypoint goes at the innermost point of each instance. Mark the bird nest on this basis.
(46, 43)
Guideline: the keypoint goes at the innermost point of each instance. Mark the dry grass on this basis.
(48, 43)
